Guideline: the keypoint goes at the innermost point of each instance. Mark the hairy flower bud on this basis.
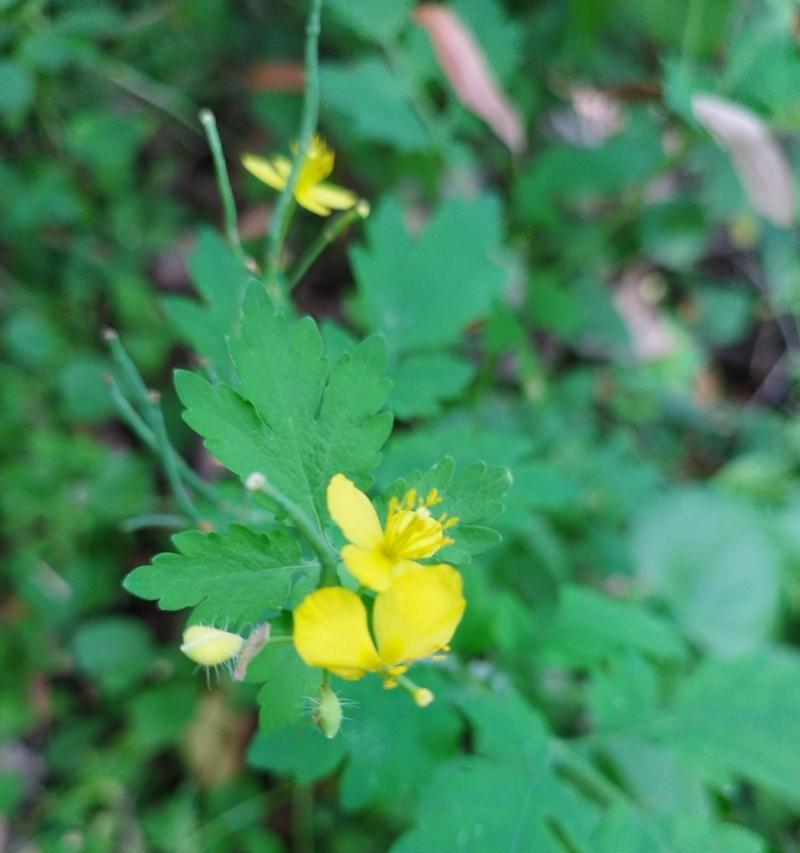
(328, 712)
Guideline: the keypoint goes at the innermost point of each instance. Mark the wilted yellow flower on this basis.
(377, 554)
(311, 191)
(210, 646)
(414, 618)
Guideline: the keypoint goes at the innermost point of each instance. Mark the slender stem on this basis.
(148, 438)
(257, 482)
(155, 519)
(223, 179)
(328, 235)
(129, 370)
(308, 124)
(169, 457)
(152, 428)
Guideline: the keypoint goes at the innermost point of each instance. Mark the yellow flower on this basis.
(414, 618)
(310, 191)
(378, 554)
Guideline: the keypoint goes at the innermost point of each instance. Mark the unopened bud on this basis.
(363, 208)
(328, 712)
(210, 646)
(255, 481)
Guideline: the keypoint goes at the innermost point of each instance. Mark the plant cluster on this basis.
(485, 493)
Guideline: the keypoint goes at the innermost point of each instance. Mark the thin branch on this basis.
(223, 180)
(308, 124)
(257, 482)
(169, 457)
(329, 234)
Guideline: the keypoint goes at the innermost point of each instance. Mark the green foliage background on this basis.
(627, 676)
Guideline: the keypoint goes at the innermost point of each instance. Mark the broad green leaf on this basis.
(588, 627)
(477, 436)
(729, 720)
(288, 686)
(421, 383)
(222, 281)
(711, 560)
(473, 495)
(300, 751)
(378, 22)
(479, 805)
(653, 776)
(394, 746)
(624, 691)
(422, 291)
(738, 719)
(232, 578)
(624, 830)
(506, 728)
(298, 420)
(376, 102)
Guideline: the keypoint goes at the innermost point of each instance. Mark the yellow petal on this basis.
(418, 614)
(305, 198)
(330, 631)
(333, 196)
(369, 567)
(210, 646)
(352, 510)
(274, 172)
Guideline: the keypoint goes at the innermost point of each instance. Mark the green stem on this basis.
(153, 422)
(257, 482)
(308, 124)
(147, 437)
(329, 234)
(156, 519)
(169, 457)
(223, 180)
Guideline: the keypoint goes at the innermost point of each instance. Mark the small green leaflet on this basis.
(296, 419)
(287, 685)
(222, 282)
(422, 291)
(472, 494)
(233, 578)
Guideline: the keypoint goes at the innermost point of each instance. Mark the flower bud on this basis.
(328, 712)
(210, 646)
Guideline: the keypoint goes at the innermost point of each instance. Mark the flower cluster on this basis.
(416, 608)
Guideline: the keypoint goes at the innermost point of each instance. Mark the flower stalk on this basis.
(257, 482)
(308, 124)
